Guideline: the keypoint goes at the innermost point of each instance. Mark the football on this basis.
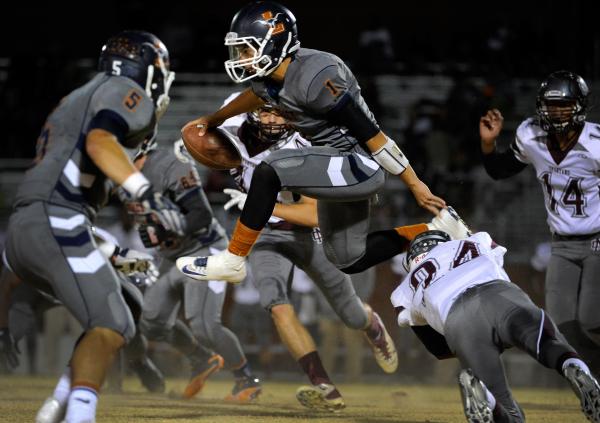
(214, 149)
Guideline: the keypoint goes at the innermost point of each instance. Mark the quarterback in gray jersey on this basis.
(343, 169)
(564, 150)
(173, 173)
(49, 241)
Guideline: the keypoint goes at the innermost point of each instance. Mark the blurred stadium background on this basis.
(428, 70)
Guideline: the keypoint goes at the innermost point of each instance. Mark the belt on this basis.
(585, 237)
(287, 226)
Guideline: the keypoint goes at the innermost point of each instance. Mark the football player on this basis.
(563, 148)
(343, 169)
(173, 173)
(460, 302)
(288, 240)
(49, 240)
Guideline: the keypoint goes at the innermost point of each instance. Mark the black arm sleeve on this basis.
(350, 115)
(434, 341)
(502, 165)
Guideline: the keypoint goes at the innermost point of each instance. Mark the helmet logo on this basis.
(271, 21)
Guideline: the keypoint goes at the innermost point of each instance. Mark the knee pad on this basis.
(344, 256)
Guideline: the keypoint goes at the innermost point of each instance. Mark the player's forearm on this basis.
(409, 177)
(246, 102)
(106, 153)
(488, 147)
(303, 214)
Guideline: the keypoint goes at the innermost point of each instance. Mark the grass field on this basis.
(366, 403)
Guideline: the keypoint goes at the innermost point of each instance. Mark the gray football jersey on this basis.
(63, 173)
(178, 181)
(314, 83)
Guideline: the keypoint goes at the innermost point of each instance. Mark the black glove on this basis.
(160, 209)
(152, 235)
(9, 350)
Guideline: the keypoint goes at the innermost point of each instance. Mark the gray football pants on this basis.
(202, 304)
(573, 296)
(272, 260)
(489, 318)
(52, 247)
(343, 183)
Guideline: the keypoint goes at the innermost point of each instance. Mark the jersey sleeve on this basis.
(181, 178)
(325, 86)
(518, 145)
(122, 104)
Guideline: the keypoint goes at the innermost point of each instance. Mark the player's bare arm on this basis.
(244, 103)
(490, 126)
(303, 213)
(421, 192)
(106, 153)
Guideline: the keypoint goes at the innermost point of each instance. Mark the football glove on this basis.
(157, 208)
(128, 262)
(9, 350)
(238, 198)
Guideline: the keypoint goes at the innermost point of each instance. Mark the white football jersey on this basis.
(440, 276)
(249, 163)
(571, 182)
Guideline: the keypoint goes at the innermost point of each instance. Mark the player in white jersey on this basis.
(564, 150)
(292, 239)
(460, 303)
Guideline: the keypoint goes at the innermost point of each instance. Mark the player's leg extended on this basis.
(339, 292)
(318, 172)
(589, 298)
(272, 271)
(478, 350)
(203, 306)
(84, 281)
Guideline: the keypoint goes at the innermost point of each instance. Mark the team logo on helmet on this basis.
(271, 21)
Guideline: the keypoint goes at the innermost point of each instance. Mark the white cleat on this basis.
(320, 397)
(474, 398)
(223, 266)
(450, 222)
(587, 390)
(383, 347)
(51, 411)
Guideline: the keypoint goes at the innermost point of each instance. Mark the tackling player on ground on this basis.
(458, 299)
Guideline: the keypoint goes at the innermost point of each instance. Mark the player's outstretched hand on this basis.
(426, 199)
(9, 350)
(202, 124)
(490, 126)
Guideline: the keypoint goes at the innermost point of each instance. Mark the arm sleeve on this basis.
(185, 189)
(502, 165)
(434, 341)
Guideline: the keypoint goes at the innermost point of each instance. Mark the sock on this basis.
(374, 330)
(242, 372)
(577, 362)
(63, 387)
(381, 246)
(242, 240)
(411, 231)
(312, 366)
(82, 405)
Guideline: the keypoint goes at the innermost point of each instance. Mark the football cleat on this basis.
(587, 390)
(51, 411)
(473, 393)
(323, 396)
(150, 376)
(200, 375)
(383, 346)
(245, 390)
(223, 266)
(450, 222)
